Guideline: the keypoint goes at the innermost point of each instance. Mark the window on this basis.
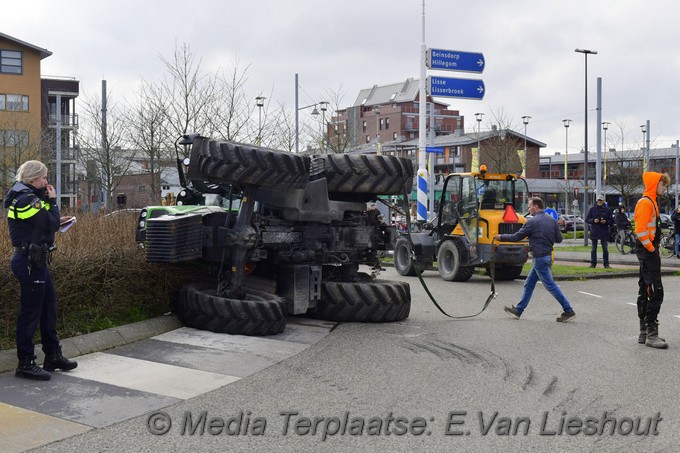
(10, 62)
(14, 102)
(394, 135)
(382, 122)
(364, 127)
(142, 189)
(387, 123)
(368, 138)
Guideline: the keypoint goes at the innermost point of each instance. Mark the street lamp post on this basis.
(605, 126)
(525, 120)
(645, 167)
(259, 101)
(478, 117)
(566, 158)
(323, 105)
(585, 52)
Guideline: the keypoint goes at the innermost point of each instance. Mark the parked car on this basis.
(666, 221)
(566, 223)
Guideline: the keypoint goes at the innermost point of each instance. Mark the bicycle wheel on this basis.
(667, 246)
(619, 240)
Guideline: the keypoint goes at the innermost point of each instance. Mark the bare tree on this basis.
(148, 126)
(103, 147)
(335, 138)
(499, 151)
(231, 114)
(20, 140)
(190, 94)
(624, 172)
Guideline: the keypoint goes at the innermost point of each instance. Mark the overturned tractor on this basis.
(286, 234)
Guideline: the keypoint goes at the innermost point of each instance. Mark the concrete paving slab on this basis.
(21, 430)
(78, 400)
(263, 347)
(195, 357)
(146, 376)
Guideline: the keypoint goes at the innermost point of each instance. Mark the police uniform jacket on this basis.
(32, 217)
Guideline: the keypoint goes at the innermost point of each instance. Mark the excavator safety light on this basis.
(510, 216)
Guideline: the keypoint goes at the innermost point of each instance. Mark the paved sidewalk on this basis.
(137, 376)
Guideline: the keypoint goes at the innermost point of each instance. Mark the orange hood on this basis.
(651, 180)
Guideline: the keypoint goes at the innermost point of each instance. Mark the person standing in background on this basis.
(600, 219)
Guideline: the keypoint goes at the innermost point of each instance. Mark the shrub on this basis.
(101, 278)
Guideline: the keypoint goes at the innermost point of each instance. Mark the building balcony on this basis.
(67, 121)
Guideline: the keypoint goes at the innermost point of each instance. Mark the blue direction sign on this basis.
(455, 60)
(455, 88)
(431, 149)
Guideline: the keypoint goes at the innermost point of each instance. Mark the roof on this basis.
(44, 53)
(396, 92)
(472, 138)
(630, 154)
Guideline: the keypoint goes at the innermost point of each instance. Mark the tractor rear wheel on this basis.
(259, 313)
(228, 162)
(377, 301)
(363, 173)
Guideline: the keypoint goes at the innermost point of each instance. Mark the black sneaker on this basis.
(592, 266)
(607, 266)
(512, 311)
(566, 317)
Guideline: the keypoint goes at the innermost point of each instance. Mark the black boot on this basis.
(653, 340)
(643, 332)
(56, 360)
(28, 369)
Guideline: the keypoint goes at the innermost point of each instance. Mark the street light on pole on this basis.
(478, 117)
(525, 120)
(323, 105)
(585, 52)
(259, 101)
(645, 167)
(605, 126)
(566, 158)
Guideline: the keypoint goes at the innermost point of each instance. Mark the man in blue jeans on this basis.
(543, 232)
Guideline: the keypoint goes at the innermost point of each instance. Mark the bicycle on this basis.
(667, 243)
(625, 241)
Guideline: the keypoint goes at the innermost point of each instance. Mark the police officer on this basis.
(33, 217)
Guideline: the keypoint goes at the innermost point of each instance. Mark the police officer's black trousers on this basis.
(650, 289)
(38, 305)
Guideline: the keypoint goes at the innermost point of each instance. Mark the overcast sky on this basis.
(531, 66)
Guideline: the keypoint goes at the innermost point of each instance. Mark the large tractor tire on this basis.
(377, 301)
(364, 173)
(228, 162)
(259, 313)
(402, 258)
(449, 262)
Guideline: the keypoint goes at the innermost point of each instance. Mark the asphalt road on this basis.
(489, 383)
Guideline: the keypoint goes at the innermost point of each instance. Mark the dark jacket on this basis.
(675, 217)
(542, 231)
(599, 230)
(621, 220)
(32, 217)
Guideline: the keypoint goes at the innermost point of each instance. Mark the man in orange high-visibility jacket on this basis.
(648, 232)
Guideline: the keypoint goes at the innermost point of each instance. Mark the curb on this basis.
(100, 341)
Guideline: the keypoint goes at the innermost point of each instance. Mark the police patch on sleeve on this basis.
(36, 203)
